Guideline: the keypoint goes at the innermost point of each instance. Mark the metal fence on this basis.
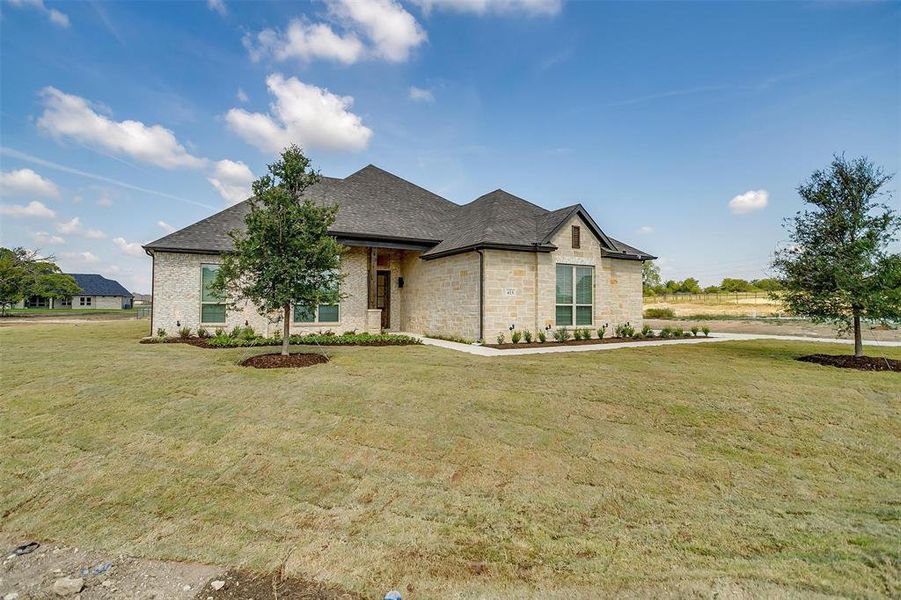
(143, 312)
(714, 298)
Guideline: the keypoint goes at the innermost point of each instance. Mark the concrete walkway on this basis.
(552, 347)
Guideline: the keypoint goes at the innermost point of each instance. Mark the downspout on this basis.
(481, 295)
(152, 283)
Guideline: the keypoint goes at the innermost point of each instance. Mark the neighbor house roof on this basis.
(92, 284)
(378, 206)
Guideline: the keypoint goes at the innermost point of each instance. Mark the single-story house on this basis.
(96, 292)
(417, 262)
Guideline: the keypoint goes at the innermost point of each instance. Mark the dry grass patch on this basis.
(643, 470)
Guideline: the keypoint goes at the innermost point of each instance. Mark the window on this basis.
(84, 300)
(577, 236)
(575, 295)
(67, 301)
(212, 305)
(325, 313)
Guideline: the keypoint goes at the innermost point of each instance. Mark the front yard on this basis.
(724, 467)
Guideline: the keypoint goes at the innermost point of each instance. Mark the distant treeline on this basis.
(654, 286)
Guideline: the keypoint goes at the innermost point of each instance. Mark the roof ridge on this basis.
(371, 166)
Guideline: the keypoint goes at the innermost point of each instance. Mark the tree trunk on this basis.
(286, 330)
(858, 343)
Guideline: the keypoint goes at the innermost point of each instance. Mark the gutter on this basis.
(481, 295)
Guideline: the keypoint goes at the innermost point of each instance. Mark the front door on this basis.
(383, 296)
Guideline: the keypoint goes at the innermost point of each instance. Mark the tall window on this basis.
(212, 306)
(325, 313)
(575, 295)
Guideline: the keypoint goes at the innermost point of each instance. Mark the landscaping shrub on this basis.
(515, 336)
(219, 331)
(706, 331)
(602, 330)
(586, 334)
(500, 338)
(678, 332)
(637, 335)
(694, 330)
(325, 339)
(659, 313)
(160, 332)
(646, 331)
(542, 336)
(235, 332)
(527, 335)
(247, 333)
(666, 332)
(184, 332)
(449, 338)
(624, 330)
(562, 334)
(202, 332)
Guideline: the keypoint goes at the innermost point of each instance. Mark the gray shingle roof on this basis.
(377, 204)
(92, 284)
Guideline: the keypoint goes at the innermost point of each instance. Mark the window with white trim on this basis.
(84, 300)
(575, 295)
(212, 305)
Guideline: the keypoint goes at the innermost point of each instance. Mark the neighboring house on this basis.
(96, 292)
(419, 263)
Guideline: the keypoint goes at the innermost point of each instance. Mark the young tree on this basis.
(838, 267)
(286, 256)
(650, 277)
(24, 273)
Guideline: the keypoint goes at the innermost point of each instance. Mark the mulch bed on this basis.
(279, 361)
(847, 361)
(204, 343)
(606, 340)
(241, 585)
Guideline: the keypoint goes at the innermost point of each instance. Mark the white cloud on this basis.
(528, 8)
(748, 202)
(305, 41)
(68, 116)
(32, 209)
(391, 33)
(75, 227)
(645, 229)
(165, 227)
(232, 180)
(217, 6)
(85, 257)
(47, 239)
(303, 114)
(241, 96)
(104, 201)
(56, 17)
(26, 182)
(129, 248)
(418, 94)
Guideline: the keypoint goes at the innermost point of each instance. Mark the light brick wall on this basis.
(176, 296)
(441, 296)
(107, 302)
(521, 287)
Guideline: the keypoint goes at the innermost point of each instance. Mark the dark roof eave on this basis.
(151, 249)
(491, 246)
(625, 256)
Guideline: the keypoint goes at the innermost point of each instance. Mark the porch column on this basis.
(371, 283)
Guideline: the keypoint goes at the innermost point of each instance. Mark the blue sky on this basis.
(684, 128)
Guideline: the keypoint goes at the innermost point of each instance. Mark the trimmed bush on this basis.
(515, 336)
(542, 336)
(602, 330)
(527, 336)
(562, 334)
(659, 313)
(706, 331)
(500, 338)
(694, 330)
(646, 331)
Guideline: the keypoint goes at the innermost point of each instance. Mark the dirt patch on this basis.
(862, 363)
(105, 576)
(241, 585)
(610, 340)
(280, 361)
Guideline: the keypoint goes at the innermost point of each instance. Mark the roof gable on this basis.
(92, 284)
(377, 205)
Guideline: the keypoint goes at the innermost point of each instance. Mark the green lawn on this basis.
(62, 313)
(659, 470)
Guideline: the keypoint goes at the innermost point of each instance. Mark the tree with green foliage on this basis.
(731, 284)
(838, 267)
(24, 273)
(767, 284)
(285, 257)
(650, 277)
(690, 285)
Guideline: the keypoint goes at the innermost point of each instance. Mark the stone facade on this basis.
(439, 296)
(521, 287)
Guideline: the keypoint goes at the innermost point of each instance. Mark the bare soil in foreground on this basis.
(278, 361)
